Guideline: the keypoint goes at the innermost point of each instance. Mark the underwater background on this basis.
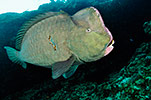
(125, 74)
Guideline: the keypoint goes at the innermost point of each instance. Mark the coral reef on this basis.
(147, 27)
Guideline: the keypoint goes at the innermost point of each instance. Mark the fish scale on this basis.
(44, 50)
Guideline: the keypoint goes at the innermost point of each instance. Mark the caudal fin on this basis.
(13, 55)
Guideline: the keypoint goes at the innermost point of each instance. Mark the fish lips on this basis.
(109, 48)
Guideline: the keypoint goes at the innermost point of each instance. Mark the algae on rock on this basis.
(147, 27)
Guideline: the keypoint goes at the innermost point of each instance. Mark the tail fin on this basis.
(13, 55)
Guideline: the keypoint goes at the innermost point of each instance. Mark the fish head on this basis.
(96, 41)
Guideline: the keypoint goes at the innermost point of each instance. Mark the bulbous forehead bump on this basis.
(102, 23)
(98, 14)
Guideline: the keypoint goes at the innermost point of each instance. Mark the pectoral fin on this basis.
(70, 72)
(61, 67)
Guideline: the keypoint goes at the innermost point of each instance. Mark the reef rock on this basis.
(147, 27)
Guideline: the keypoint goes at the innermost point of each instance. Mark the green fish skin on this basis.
(62, 42)
(92, 38)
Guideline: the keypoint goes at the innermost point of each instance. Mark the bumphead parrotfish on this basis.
(62, 42)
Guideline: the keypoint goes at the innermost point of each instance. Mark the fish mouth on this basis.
(109, 48)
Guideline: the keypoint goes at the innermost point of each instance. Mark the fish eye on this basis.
(88, 30)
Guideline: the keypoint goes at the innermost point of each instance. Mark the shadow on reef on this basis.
(123, 18)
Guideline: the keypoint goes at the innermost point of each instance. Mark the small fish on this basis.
(62, 42)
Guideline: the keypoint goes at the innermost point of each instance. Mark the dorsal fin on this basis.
(26, 26)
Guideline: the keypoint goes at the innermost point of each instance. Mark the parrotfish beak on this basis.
(109, 48)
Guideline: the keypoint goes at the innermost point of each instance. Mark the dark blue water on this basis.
(124, 18)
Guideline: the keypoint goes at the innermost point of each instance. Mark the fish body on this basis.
(38, 49)
(62, 42)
